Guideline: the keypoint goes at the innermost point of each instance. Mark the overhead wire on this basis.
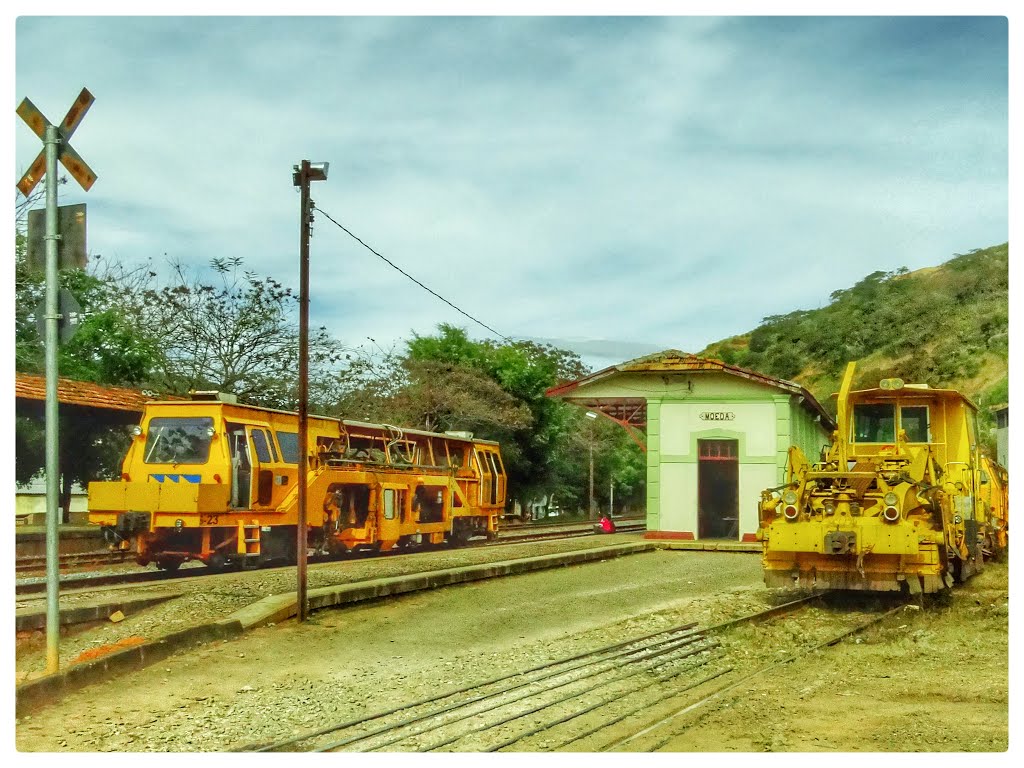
(390, 263)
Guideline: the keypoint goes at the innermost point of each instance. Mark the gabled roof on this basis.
(28, 386)
(674, 361)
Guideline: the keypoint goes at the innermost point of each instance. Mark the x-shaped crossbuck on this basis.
(71, 160)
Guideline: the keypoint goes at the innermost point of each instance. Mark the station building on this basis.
(716, 436)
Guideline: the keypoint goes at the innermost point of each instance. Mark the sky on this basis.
(612, 185)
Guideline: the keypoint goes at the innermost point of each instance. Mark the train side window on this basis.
(289, 442)
(914, 421)
(389, 504)
(456, 456)
(874, 423)
(259, 440)
(494, 483)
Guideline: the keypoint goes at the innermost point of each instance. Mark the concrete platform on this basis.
(709, 546)
(26, 619)
(30, 540)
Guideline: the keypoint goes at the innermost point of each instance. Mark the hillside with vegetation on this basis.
(945, 326)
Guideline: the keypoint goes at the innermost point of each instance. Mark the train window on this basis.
(874, 423)
(389, 504)
(494, 483)
(259, 440)
(456, 456)
(914, 421)
(270, 442)
(289, 442)
(180, 440)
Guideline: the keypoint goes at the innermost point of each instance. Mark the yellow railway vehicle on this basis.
(212, 480)
(995, 504)
(901, 500)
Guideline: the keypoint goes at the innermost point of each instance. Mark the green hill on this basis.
(945, 326)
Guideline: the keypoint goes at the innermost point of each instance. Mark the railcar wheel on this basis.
(216, 563)
(169, 563)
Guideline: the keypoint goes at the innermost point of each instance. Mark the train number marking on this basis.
(208, 519)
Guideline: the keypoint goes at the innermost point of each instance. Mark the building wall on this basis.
(764, 423)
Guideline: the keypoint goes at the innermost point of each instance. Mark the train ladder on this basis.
(249, 539)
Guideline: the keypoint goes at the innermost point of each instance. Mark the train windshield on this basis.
(874, 423)
(181, 440)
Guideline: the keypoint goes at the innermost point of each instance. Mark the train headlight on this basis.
(830, 506)
(891, 514)
(891, 499)
(178, 525)
(790, 512)
(789, 497)
(136, 430)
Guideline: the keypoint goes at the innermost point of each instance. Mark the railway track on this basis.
(71, 560)
(35, 585)
(564, 702)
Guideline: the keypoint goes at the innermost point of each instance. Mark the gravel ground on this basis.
(275, 682)
(925, 680)
(214, 596)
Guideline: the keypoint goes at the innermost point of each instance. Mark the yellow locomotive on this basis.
(213, 480)
(897, 502)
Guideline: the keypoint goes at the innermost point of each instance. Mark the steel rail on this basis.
(439, 697)
(568, 696)
(776, 610)
(673, 645)
(771, 612)
(730, 686)
(606, 723)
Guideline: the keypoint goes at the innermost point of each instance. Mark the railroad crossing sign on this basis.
(71, 160)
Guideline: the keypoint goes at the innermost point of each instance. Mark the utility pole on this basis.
(56, 146)
(591, 511)
(301, 177)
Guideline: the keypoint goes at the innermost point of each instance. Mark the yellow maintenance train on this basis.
(903, 499)
(213, 480)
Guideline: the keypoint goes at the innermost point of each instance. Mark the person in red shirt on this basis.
(607, 525)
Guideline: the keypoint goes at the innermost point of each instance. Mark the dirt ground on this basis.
(932, 681)
(936, 681)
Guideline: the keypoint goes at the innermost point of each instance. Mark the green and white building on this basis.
(716, 436)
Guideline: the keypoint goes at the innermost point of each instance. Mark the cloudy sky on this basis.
(616, 185)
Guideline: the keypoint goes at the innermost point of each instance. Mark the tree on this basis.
(235, 334)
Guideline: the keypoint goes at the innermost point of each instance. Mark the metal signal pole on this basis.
(52, 455)
(301, 177)
(56, 147)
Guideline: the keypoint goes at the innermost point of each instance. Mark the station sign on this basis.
(717, 416)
